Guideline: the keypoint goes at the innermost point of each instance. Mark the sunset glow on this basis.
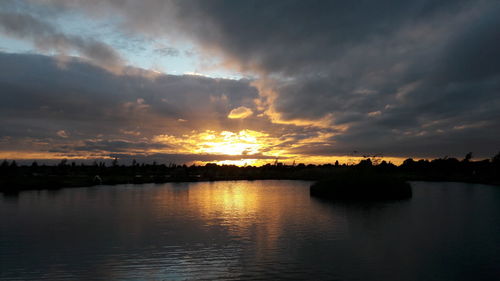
(245, 142)
(157, 86)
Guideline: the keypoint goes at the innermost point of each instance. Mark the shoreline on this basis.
(14, 179)
(18, 188)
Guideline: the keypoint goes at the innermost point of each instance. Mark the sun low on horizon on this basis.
(204, 88)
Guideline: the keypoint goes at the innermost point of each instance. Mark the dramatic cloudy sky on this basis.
(198, 81)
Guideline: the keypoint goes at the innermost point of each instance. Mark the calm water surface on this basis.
(251, 230)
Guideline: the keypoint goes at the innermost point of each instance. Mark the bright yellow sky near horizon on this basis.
(254, 148)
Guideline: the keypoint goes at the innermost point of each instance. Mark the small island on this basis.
(362, 187)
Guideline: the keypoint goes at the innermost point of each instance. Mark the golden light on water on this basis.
(241, 206)
(244, 206)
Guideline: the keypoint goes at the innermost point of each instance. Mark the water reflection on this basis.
(248, 230)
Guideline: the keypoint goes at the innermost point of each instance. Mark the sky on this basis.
(249, 82)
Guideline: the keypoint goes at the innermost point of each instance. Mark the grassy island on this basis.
(362, 187)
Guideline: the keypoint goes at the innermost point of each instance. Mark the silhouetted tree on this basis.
(409, 162)
(39, 175)
(496, 159)
(468, 157)
(365, 163)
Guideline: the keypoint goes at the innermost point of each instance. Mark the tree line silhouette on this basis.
(15, 177)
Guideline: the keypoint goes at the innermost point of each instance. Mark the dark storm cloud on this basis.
(116, 146)
(46, 37)
(401, 77)
(85, 108)
(387, 69)
(298, 36)
(80, 92)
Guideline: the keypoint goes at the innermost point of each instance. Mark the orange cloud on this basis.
(241, 112)
(244, 142)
